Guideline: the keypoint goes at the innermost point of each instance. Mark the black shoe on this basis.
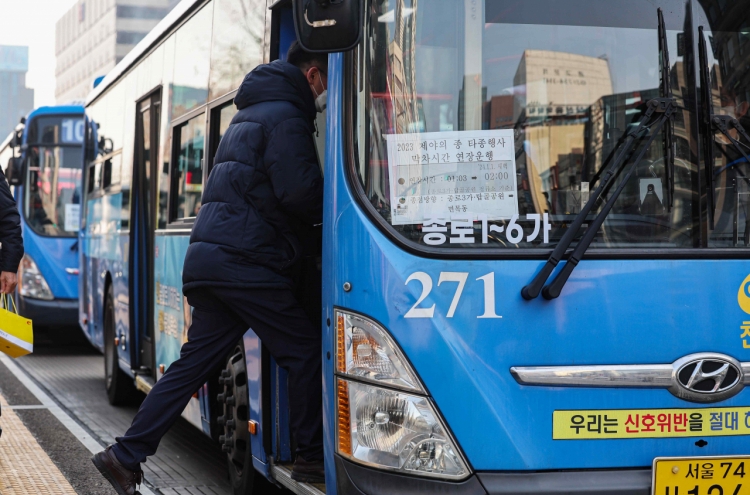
(308, 471)
(123, 480)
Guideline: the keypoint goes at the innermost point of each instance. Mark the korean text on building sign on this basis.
(650, 423)
(436, 174)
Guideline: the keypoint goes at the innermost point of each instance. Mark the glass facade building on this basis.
(16, 100)
(94, 35)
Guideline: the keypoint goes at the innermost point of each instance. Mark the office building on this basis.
(16, 100)
(559, 84)
(94, 35)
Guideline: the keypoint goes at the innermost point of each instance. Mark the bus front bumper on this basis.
(55, 313)
(353, 479)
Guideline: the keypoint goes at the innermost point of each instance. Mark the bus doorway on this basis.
(143, 221)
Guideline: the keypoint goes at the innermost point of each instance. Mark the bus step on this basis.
(144, 383)
(282, 473)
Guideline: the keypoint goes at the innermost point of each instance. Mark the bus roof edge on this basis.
(154, 36)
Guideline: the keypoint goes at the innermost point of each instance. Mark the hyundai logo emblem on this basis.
(706, 377)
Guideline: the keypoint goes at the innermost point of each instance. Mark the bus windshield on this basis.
(53, 192)
(487, 123)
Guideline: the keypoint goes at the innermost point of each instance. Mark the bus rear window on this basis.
(492, 132)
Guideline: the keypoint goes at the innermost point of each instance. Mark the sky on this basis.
(32, 23)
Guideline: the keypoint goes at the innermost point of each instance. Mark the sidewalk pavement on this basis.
(24, 466)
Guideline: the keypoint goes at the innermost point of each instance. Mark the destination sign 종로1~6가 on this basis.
(437, 174)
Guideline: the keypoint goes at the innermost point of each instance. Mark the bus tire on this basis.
(235, 440)
(119, 386)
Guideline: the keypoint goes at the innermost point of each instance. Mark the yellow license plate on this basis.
(701, 476)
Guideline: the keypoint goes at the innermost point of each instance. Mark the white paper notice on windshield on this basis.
(438, 174)
(72, 217)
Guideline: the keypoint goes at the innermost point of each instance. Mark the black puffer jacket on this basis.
(264, 190)
(10, 229)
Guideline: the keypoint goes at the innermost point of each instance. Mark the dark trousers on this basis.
(220, 317)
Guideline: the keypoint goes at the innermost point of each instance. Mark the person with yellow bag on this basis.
(16, 333)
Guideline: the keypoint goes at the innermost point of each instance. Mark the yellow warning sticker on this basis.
(650, 423)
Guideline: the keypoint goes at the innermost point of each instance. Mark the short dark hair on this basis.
(302, 59)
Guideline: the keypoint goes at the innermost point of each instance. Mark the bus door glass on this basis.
(54, 159)
(143, 221)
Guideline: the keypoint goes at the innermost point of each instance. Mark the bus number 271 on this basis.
(460, 279)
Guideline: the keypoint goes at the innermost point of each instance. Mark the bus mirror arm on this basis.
(554, 289)
(106, 145)
(532, 290)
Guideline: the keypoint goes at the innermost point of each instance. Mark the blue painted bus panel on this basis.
(328, 281)
(172, 314)
(610, 312)
(105, 255)
(53, 255)
(172, 318)
(287, 34)
(254, 365)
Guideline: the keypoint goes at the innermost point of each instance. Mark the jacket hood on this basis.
(273, 82)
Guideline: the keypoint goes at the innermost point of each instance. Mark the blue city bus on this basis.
(43, 160)
(535, 240)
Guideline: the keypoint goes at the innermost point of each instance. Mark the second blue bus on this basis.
(43, 159)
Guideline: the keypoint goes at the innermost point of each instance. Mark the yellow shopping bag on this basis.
(16, 332)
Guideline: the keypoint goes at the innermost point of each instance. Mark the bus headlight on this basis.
(393, 427)
(393, 430)
(31, 282)
(367, 352)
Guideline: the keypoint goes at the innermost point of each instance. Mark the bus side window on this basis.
(107, 173)
(187, 162)
(95, 177)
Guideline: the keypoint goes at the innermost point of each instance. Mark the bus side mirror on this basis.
(14, 172)
(17, 138)
(328, 25)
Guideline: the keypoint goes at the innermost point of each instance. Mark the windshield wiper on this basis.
(666, 106)
(551, 291)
